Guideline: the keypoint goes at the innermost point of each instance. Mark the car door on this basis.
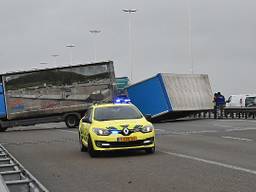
(86, 123)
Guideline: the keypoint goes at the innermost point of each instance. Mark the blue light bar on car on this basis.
(119, 100)
(127, 100)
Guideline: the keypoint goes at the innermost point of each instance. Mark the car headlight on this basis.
(147, 129)
(101, 132)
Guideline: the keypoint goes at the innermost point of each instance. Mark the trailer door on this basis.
(2, 102)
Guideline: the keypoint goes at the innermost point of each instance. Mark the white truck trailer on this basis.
(54, 94)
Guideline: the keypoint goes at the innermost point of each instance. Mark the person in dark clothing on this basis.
(220, 104)
(215, 105)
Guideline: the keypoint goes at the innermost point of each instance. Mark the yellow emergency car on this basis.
(107, 127)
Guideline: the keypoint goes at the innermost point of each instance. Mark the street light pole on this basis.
(129, 12)
(71, 46)
(189, 23)
(94, 32)
(55, 58)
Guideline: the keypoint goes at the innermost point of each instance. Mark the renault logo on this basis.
(125, 131)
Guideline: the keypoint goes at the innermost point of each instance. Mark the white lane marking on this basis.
(75, 132)
(241, 129)
(206, 131)
(251, 171)
(160, 130)
(237, 138)
(221, 125)
(202, 131)
(192, 132)
(232, 120)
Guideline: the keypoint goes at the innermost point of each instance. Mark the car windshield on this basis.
(116, 113)
(250, 102)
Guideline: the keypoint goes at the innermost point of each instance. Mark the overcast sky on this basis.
(223, 37)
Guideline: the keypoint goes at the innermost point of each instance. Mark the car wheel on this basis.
(82, 147)
(150, 150)
(91, 150)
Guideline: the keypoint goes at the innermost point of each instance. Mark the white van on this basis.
(246, 100)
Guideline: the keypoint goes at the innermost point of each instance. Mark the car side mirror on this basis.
(148, 117)
(86, 120)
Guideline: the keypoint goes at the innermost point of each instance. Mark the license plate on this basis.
(126, 139)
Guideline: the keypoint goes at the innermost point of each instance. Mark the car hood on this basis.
(120, 124)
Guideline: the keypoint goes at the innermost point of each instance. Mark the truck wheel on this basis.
(3, 129)
(91, 150)
(71, 121)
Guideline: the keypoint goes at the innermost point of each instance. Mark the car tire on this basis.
(82, 147)
(91, 149)
(72, 121)
(150, 150)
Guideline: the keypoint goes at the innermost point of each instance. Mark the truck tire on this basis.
(3, 129)
(71, 121)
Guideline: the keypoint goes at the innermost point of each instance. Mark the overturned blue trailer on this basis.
(171, 96)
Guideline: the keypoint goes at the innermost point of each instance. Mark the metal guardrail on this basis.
(241, 113)
(3, 187)
(228, 113)
(14, 177)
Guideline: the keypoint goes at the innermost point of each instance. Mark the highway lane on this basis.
(200, 155)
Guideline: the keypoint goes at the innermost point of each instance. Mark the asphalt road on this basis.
(195, 156)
